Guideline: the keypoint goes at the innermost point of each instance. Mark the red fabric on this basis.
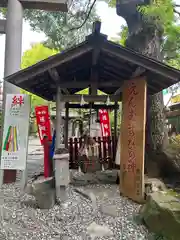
(43, 122)
(105, 123)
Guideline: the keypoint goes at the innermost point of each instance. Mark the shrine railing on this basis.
(106, 146)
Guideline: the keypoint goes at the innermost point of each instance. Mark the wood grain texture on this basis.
(133, 139)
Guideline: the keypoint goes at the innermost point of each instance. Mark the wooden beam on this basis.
(56, 78)
(66, 125)
(106, 71)
(39, 68)
(115, 119)
(115, 64)
(94, 106)
(89, 98)
(65, 91)
(139, 71)
(85, 84)
(54, 75)
(94, 71)
(135, 74)
(142, 61)
(2, 26)
(74, 84)
(174, 113)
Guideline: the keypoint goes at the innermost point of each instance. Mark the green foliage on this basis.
(175, 142)
(122, 36)
(162, 13)
(37, 53)
(171, 45)
(86, 92)
(159, 10)
(62, 29)
(111, 116)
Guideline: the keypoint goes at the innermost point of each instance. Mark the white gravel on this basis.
(21, 220)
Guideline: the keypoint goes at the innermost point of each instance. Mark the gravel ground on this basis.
(21, 219)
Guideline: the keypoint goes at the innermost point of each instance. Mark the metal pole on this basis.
(13, 44)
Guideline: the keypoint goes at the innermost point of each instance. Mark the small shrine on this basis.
(122, 74)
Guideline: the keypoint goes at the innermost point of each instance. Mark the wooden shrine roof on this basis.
(71, 70)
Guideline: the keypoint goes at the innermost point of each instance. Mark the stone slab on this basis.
(100, 177)
(110, 210)
(95, 230)
(161, 214)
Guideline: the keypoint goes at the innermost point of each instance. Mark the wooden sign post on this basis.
(133, 139)
(15, 135)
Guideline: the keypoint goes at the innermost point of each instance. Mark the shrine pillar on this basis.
(59, 120)
(66, 128)
(132, 142)
(12, 64)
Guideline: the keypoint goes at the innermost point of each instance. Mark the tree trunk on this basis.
(145, 37)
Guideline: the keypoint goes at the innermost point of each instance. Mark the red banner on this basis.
(105, 123)
(43, 122)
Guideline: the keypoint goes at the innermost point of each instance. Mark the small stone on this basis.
(93, 200)
(84, 179)
(42, 184)
(110, 210)
(107, 176)
(95, 230)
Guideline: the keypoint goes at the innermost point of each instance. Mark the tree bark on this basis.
(145, 37)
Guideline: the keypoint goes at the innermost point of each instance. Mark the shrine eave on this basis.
(71, 70)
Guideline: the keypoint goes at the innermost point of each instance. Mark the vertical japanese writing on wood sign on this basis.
(133, 139)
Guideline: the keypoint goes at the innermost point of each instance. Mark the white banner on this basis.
(15, 132)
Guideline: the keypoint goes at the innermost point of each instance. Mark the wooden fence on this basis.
(107, 150)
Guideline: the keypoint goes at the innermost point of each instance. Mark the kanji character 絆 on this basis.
(14, 101)
(17, 101)
(21, 100)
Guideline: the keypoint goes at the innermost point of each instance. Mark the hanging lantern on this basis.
(82, 101)
(108, 101)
